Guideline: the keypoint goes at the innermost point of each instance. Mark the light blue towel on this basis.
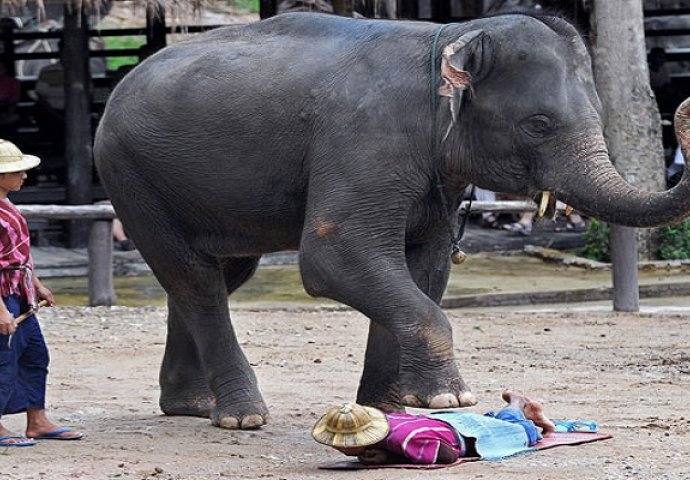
(576, 426)
(495, 439)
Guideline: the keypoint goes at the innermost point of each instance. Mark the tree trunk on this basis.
(77, 84)
(633, 124)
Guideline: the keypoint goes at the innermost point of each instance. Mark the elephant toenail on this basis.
(412, 401)
(446, 400)
(467, 399)
(251, 422)
(231, 423)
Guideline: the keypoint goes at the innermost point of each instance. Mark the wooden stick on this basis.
(26, 315)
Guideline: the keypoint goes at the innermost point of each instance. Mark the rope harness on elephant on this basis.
(457, 255)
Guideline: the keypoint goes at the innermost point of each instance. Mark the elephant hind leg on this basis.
(227, 393)
(204, 371)
(187, 392)
(184, 389)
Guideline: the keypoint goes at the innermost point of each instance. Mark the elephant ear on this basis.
(455, 65)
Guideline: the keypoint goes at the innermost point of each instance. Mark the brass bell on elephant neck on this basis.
(458, 256)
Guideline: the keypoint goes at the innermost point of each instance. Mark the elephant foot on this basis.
(384, 406)
(191, 398)
(439, 391)
(442, 401)
(193, 407)
(245, 416)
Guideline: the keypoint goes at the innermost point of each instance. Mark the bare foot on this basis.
(55, 433)
(15, 440)
(39, 426)
(9, 438)
(533, 410)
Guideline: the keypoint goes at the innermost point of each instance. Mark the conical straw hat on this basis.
(13, 160)
(351, 425)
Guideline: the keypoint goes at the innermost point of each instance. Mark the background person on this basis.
(10, 92)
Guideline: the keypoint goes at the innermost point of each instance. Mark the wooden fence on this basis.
(100, 244)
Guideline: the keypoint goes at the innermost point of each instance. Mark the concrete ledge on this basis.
(556, 256)
(561, 296)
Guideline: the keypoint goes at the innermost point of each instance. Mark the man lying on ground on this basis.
(438, 437)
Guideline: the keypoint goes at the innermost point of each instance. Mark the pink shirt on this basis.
(419, 438)
(15, 252)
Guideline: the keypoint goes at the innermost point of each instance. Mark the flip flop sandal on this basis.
(519, 228)
(57, 435)
(25, 442)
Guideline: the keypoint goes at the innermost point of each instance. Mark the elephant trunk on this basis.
(597, 189)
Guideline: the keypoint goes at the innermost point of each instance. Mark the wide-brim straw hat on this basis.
(13, 160)
(351, 425)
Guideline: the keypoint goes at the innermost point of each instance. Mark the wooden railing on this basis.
(100, 245)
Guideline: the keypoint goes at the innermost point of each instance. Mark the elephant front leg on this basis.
(429, 377)
(410, 344)
(380, 384)
(429, 265)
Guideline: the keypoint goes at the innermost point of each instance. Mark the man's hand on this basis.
(7, 323)
(44, 293)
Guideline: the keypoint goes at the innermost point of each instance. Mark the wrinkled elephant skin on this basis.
(314, 132)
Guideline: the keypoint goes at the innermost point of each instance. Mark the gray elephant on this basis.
(336, 137)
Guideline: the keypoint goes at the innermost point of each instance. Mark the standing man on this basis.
(23, 351)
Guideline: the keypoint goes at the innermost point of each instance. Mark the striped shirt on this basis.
(16, 264)
(419, 438)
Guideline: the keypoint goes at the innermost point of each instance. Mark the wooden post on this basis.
(267, 8)
(155, 27)
(101, 289)
(440, 11)
(7, 27)
(626, 291)
(408, 9)
(344, 8)
(77, 82)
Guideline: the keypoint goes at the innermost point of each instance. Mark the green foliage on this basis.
(596, 241)
(251, 6)
(674, 241)
(115, 43)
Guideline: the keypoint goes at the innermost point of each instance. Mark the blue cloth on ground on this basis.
(496, 437)
(575, 426)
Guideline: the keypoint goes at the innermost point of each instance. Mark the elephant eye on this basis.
(537, 126)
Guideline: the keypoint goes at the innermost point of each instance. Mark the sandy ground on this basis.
(631, 373)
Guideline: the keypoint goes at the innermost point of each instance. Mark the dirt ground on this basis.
(630, 373)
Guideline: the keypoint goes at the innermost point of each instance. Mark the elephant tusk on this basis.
(544, 203)
(568, 210)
